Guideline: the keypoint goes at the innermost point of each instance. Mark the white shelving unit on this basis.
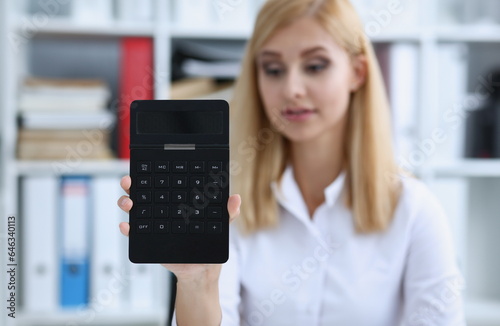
(482, 309)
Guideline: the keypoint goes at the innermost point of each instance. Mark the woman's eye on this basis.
(273, 71)
(316, 67)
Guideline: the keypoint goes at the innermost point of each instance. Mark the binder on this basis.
(453, 74)
(109, 247)
(40, 273)
(136, 70)
(74, 250)
(142, 285)
(404, 100)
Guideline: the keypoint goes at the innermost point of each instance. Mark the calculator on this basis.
(179, 166)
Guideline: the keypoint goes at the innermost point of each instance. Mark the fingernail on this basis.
(123, 201)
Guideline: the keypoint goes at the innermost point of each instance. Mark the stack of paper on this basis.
(63, 116)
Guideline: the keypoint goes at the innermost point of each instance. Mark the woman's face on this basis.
(305, 80)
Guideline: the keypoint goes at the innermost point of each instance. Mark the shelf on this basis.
(210, 33)
(473, 33)
(109, 167)
(92, 316)
(482, 312)
(468, 168)
(397, 36)
(67, 27)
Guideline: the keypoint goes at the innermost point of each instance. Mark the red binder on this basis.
(136, 83)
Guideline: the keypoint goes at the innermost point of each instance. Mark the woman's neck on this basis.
(316, 164)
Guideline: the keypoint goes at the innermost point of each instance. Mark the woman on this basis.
(330, 233)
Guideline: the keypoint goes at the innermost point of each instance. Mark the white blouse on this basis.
(319, 271)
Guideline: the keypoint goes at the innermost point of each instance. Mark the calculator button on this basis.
(143, 182)
(179, 182)
(143, 227)
(144, 196)
(161, 166)
(161, 227)
(178, 196)
(161, 211)
(161, 181)
(215, 166)
(196, 227)
(197, 213)
(214, 227)
(197, 182)
(212, 188)
(143, 167)
(161, 196)
(197, 167)
(179, 166)
(178, 227)
(214, 211)
(197, 197)
(178, 212)
(216, 180)
(215, 198)
(143, 211)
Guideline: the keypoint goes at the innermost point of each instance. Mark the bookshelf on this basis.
(457, 181)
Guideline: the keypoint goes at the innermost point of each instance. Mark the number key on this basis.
(179, 182)
(161, 181)
(197, 182)
(161, 196)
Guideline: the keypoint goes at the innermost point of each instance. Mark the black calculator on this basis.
(179, 166)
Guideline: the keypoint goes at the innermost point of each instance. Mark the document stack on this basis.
(63, 118)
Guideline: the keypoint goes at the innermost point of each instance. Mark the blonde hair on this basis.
(259, 151)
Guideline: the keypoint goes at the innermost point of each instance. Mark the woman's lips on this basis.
(297, 114)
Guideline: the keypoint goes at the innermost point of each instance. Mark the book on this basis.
(61, 150)
(54, 94)
(67, 120)
(135, 11)
(214, 69)
(92, 12)
(196, 88)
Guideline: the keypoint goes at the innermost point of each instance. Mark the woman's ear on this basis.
(359, 68)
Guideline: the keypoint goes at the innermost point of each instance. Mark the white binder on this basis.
(109, 246)
(40, 272)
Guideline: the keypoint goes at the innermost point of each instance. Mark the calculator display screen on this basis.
(180, 122)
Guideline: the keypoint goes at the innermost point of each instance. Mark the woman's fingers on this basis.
(125, 203)
(125, 183)
(124, 228)
(233, 207)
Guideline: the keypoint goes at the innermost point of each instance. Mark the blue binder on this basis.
(75, 246)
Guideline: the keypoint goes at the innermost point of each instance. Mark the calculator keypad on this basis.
(178, 197)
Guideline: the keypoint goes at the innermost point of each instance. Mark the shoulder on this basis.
(420, 212)
(416, 199)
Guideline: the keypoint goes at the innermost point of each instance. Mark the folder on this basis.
(74, 249)
(109, 247)
(404, 96)
(136, 83)
(40, 273)
(142, 285)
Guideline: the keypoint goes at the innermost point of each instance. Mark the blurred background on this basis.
(70, 68)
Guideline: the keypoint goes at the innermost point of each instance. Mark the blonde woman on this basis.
(329, 233)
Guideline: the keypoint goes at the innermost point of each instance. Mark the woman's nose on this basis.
(294, 87)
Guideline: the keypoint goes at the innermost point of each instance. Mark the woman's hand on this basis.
(183, 272)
